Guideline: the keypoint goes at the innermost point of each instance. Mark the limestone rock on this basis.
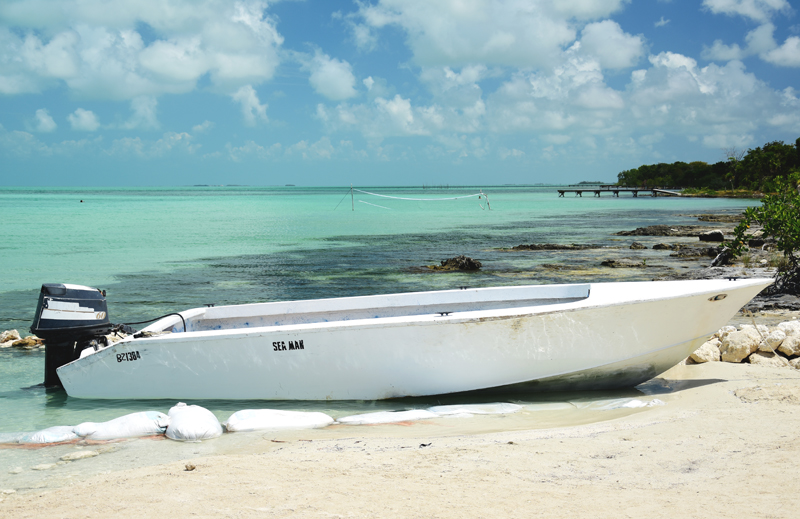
(9, 335)
(663, 246)
(738, 345)
(790, 345)
(772, 341)
(724, 331)
(28, 343)
(79, 455)
(708, 352)
(790, 328)
(772, 360)
(760, 328)
(623, 263)
(795, 363)
(458, 263)
(715, 235)
(638, 246)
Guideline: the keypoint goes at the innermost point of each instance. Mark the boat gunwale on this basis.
(436, 319)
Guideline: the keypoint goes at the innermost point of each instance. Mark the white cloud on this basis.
(758, 10)
(787, 55)
(612, 47)
(83, 120)
(252, 109)
(513, 153)
(494, 32)
(146, 149)
(662, 22)
(144, 114)
(331, 77)
(98, 53)
(44, 123)
(719, 51)
(202, 127)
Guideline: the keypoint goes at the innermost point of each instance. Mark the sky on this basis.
(386, 92)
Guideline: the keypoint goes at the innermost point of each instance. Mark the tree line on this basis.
(753, 170)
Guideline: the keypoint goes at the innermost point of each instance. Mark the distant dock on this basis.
(616, 190)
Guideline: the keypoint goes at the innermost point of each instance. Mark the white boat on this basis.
(557, 337)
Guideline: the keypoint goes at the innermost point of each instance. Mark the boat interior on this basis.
(371, 307)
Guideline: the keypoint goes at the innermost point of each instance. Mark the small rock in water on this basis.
(458, 263)
(15, 470)
(43, 466)
(638, 246)
(79, 455)
(9, 335)
(623, 263)
(715, 235)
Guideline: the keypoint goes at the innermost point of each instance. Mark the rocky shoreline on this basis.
(756, 344)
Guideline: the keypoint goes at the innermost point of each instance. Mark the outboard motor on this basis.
(69, 318)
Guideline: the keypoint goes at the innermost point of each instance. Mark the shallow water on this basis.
(161, 250)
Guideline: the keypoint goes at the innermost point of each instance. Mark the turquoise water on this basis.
(158, 250)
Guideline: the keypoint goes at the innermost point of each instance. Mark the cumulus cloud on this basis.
(147, 149)
(662, 22)
(44, 123)
(758, 10)
(330, 77)
(252, 109)
(203, 127)
(144, 114)
(83, 120)
(493, 32)
(98, 52)
(612, 47)
(787, 55)
(759, 41)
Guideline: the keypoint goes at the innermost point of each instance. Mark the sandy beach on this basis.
(724, 445)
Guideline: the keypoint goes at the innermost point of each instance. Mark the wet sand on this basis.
(724, 445)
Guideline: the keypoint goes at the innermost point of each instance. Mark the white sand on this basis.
(707, 453)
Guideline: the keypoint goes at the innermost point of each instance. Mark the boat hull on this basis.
(620, 336)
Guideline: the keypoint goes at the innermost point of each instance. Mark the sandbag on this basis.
(616, 403)
(387, 417)
(273, 419)
(12, 437)
(464, 409)
(192, 423)
(144, 423)
(59, 433)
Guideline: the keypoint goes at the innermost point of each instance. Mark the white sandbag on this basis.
(192, 423)
(617, 403)
(464, 409)
(387, 417)
(59, 433)
(12, 437)
(273, 419)
(550, 406)
(145, 423)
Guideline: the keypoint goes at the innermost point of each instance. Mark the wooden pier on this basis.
(616, 190)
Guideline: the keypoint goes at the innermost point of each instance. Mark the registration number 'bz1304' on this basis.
(128, 356)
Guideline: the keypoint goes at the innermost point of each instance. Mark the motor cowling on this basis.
(69, 318)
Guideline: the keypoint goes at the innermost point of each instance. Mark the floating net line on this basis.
(374, 205)
(480, 195)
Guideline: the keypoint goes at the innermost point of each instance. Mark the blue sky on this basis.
(386, 92)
